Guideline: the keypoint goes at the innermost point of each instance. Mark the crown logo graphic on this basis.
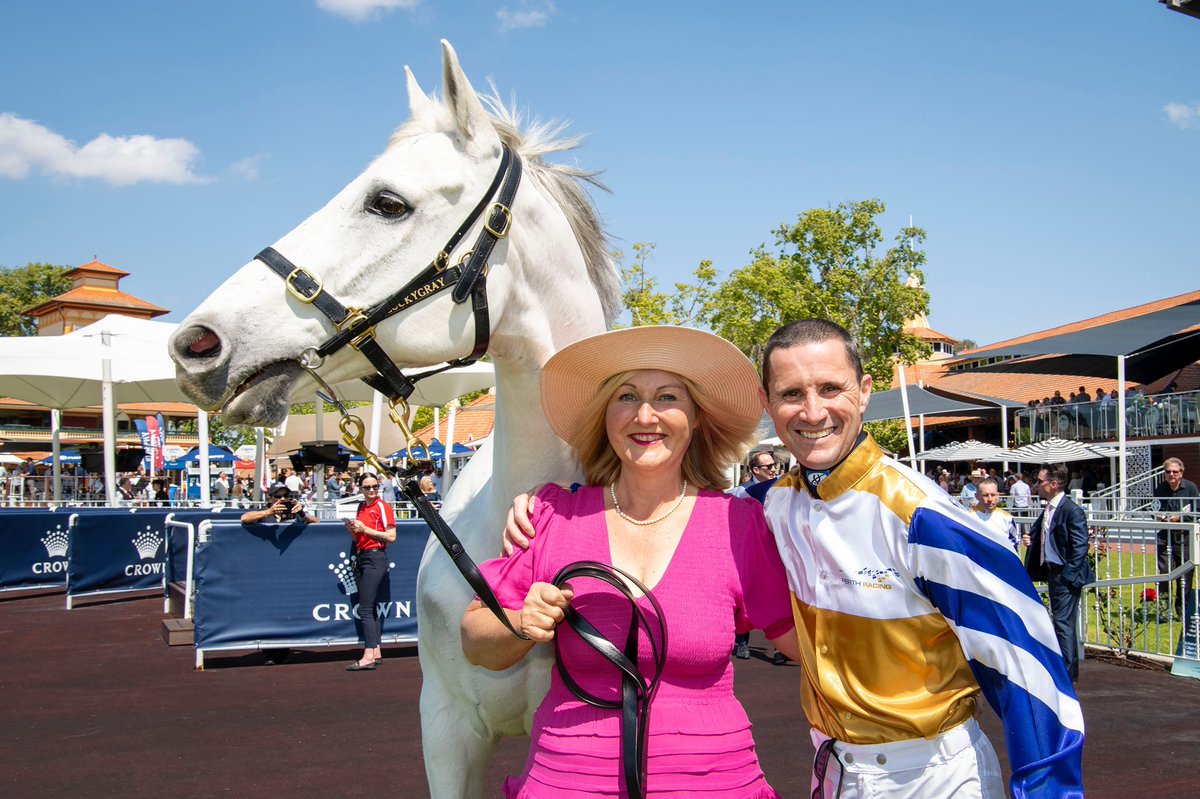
(344, 571)
(147, 543)
(55, 542)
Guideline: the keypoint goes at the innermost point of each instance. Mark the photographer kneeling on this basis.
(283, 508)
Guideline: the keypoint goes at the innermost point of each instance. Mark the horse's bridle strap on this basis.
(303, 285)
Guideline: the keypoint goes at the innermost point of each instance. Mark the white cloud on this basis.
(26, 146)
(1182, 115)
(528, 14)
(359, 10)
(246, 169)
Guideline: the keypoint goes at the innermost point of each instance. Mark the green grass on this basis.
(1120, 618)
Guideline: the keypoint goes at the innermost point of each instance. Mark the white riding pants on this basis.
(960, 763)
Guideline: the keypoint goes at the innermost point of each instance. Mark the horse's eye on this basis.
(388, 205)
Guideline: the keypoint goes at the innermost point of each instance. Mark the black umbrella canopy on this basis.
(1154, 344)
(1157, 360)
(890, 405)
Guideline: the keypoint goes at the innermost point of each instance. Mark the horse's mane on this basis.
(564, 183)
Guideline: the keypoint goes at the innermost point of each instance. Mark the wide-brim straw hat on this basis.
(571, 378)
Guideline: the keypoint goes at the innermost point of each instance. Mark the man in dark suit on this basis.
(1058, 556)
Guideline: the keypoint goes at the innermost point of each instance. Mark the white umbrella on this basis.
(970, 450)
(116, 358)
(1057, 450)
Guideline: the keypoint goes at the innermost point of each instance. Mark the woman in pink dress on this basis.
(656, 416)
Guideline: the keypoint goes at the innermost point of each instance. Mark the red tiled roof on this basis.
(929, 334)
(1020, 386)
(472, 422)
(99, 268)
(97, 297)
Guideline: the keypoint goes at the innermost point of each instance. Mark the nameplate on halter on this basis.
(419, 293)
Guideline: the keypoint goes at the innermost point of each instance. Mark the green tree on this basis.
(23, 287)
(828, 265)
(219, 433)
(649, 306)
(890, 434)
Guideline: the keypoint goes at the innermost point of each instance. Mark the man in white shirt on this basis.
(294, 483)
(996, 519)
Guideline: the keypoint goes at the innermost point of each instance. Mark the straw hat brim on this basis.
(573, 375)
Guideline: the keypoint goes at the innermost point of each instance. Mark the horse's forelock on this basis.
(565, 183)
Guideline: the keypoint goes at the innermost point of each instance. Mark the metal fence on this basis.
(1150, 415)
(1134, 605)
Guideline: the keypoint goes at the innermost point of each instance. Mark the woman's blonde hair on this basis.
(426, 484)
(715, 446)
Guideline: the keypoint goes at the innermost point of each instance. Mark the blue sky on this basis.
(1048, 148)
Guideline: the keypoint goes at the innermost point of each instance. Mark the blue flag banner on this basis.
(110, 552)
(33, 549)
(269, 585)
(147, 445)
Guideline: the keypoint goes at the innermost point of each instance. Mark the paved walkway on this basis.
(94, 704)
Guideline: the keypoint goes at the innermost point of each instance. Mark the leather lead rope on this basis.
(637, 692)
(454, 548)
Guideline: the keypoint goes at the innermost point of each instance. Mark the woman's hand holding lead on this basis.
(545, 608)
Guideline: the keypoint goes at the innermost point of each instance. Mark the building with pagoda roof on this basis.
(95, 292)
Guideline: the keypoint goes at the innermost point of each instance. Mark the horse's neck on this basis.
(527, 453)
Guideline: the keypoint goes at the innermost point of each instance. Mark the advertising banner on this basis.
(33, 549)
(177, 539)
(116, 552)
(144, 437)
(291, 584)
(1187, 651)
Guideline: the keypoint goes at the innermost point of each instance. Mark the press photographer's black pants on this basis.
(372, 568)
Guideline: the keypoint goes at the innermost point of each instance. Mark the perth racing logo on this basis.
(146, 543)
(344, 571)
(878, 579)
(55, 542)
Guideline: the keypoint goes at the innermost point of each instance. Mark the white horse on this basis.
(550, 283)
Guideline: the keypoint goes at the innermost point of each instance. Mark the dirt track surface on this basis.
(94, 704)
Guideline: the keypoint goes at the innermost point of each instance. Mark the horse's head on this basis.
(549, 280)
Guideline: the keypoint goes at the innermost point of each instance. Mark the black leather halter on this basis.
(467, 278)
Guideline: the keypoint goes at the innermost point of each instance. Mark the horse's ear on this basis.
(472, 121)
(419, 104)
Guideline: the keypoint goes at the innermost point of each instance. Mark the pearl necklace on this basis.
(612, 492)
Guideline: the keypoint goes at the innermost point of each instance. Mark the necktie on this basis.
(1045, 532)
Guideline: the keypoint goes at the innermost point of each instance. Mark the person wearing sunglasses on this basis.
(763, 468)
(373, 528)
(281, 507)
(1176, 500)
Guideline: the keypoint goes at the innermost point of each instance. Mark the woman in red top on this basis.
(373, 528)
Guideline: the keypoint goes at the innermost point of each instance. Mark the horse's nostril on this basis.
(206, 346)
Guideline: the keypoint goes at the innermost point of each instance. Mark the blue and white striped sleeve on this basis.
(983, 591)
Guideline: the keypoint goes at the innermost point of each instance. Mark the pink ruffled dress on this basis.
(725, 577)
